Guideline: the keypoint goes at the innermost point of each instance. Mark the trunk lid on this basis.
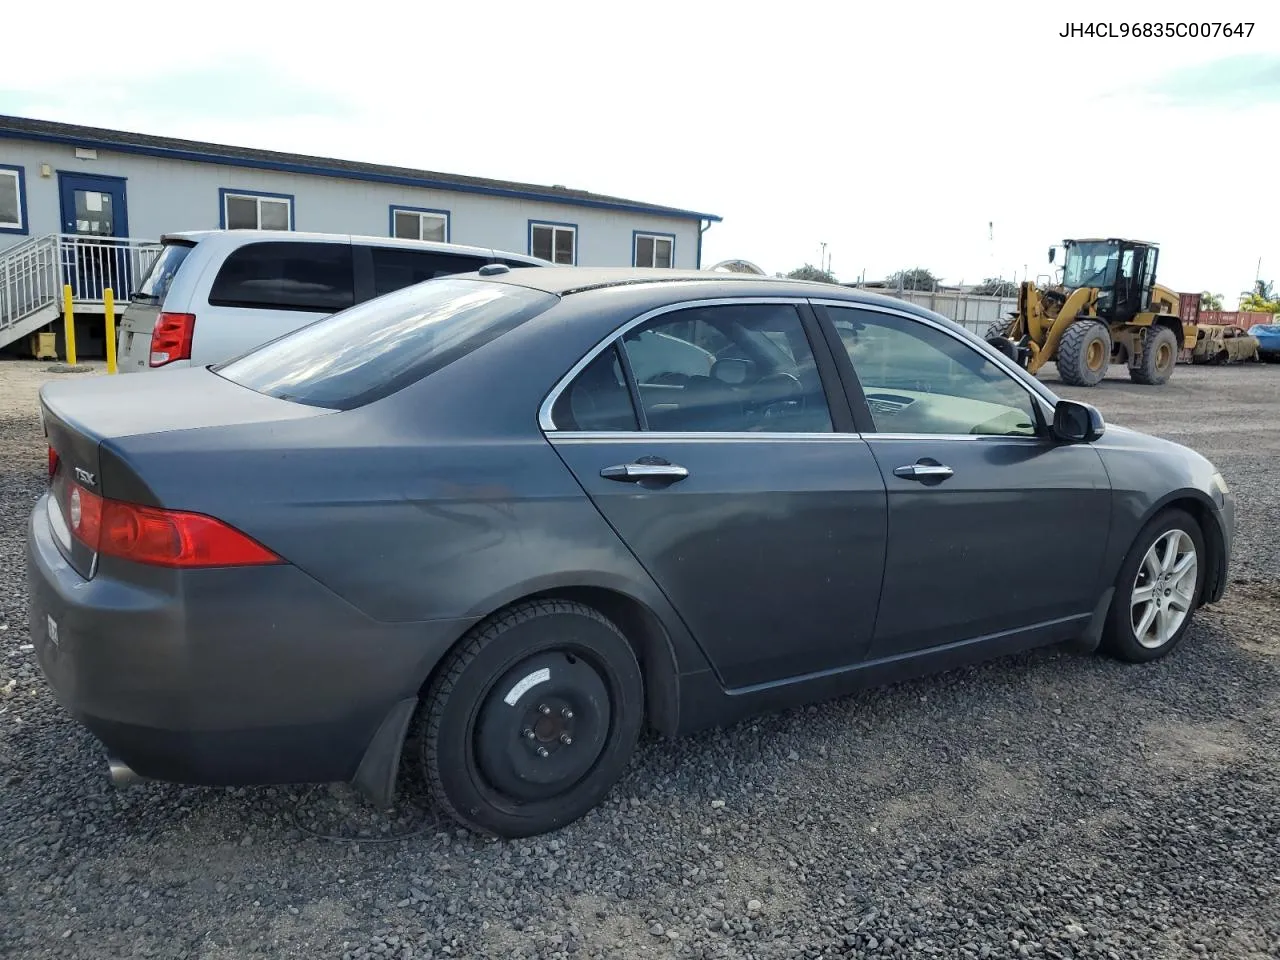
(84, 419)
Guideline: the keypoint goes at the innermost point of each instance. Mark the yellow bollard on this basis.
(69, 323)
(109, 308)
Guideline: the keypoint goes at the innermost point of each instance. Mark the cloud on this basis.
(1237, 82)
(241, 90)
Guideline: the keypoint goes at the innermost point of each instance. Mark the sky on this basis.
(964, 138)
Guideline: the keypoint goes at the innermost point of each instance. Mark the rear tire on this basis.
(996, 329)
(1157, 589)
(1084, 353)
(1156, 358)
(531, 719)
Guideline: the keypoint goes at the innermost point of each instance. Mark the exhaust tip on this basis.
(122, 775)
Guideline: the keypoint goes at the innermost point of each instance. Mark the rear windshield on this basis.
(155, 285)
(376, 348)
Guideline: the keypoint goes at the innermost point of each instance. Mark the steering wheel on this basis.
(778, 389)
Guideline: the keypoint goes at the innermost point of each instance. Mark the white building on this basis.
(66, 191)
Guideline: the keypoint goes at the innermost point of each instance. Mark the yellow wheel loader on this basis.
(1107, 309)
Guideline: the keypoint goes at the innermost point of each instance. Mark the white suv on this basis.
(215, 294)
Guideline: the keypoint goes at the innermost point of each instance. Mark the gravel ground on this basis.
(1047, 805)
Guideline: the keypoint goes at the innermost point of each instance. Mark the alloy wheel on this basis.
(1164, 589)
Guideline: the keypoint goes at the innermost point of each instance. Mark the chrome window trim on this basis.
(1039, 394)
(545, 421)
(653, 436)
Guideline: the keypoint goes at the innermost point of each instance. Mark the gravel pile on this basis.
(1049, 805)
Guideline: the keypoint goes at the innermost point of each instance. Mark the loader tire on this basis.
(996, 329)
(1084, 353)
(1156, 358)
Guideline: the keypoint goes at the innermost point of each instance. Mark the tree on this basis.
(1262, 300)
(810, 272)
(996, 287)
(916, 278)
(1210, 301)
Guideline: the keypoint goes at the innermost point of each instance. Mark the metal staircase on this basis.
(30, 293)
(32, 275)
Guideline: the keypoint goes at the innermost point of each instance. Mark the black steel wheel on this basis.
(531, 719)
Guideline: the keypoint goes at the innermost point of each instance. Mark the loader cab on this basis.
(1123, 271)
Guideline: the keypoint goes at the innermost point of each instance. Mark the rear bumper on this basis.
(222, 677)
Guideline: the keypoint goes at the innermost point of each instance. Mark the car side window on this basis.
(398, 267)
(598, 398)
(286, 275)
(918, 379)
(736, 368)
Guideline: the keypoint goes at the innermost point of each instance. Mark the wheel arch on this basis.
(643, 627)
(1203, 510)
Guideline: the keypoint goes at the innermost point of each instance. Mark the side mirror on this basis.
(1075, 422)
(1053, 252)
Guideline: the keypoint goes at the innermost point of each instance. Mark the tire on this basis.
(1142, 568)
(1084, 353)
(996, 329)
(531, 719)
(1156, 358)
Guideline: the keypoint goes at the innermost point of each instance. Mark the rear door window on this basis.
(396, 267)
(286, 275)
(381, 346)
(159, 278)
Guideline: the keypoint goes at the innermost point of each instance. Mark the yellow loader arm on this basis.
(1082, 302)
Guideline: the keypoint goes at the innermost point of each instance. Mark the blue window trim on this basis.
(22, 201)
(236, 192)
(401, 208)
(322, 169)
(554, 223)
(657, 235)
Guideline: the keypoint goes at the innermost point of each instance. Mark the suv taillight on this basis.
(151, 535)
(171, 338)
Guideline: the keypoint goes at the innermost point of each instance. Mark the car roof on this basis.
(567, 281)
(240, 237)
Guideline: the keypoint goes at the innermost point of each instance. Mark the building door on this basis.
(95, 225)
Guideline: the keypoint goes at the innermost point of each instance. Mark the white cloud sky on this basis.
(892, 133)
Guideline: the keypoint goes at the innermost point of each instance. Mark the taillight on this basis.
(164, 538)
(53, 462)
(171, 338)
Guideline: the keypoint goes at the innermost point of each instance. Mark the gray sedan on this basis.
(512, 517)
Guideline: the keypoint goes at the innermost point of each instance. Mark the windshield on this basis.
(164, 268)
(372, 350)
(1091, 265)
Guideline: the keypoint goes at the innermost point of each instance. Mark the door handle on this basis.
(646, 468)
(923, 471)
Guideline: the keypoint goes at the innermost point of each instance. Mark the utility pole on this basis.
(822, 257)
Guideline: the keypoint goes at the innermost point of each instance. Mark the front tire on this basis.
(1158, 355)
(1084, 353)
(531, 719)
(1157, 589)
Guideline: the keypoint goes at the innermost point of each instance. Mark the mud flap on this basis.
(375, 778)
(1089, 640)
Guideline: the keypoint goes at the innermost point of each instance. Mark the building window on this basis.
(557, 242)
(414, 223)
(244, 210)
(13, 201)
(653, 250)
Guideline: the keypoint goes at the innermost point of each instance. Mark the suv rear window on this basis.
(286, 275)
(381, 346)
(159, 278)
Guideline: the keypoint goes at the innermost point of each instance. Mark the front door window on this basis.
(919, 380)
(94, 214)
